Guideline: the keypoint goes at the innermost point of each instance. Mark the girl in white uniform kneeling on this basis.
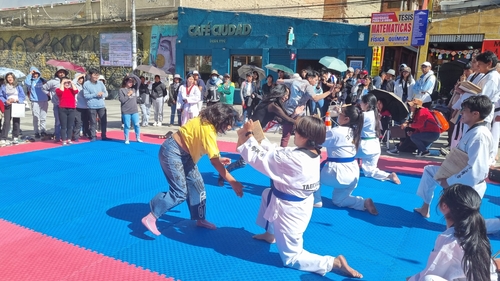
(341, 171)
(287, 206)
(369, 149)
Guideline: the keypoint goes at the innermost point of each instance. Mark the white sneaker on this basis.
(154, 124)
(3, 143)
(127, 142)
(139, 140)
(15, 141)
(159, 124)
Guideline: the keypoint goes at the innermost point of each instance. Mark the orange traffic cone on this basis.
(328, 120)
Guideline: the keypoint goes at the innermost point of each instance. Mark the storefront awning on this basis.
(456, 38)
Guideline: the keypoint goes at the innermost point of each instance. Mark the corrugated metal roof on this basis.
(456, 38)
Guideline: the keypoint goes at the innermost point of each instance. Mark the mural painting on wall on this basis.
(21, 53)
(162, 49)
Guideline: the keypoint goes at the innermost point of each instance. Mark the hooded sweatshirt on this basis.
(35, 85)
(50, 88)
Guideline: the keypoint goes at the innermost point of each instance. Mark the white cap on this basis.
(391, 72)
(296, 76)
(101, 78)
(427, 64)
(177, 76)
(196, 72)
(350, 69)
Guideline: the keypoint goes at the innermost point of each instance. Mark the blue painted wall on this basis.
(313, 39)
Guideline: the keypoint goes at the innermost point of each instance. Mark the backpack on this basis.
(440, 120)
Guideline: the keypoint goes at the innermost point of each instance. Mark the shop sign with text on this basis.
(492, 45)
(405, 28)
(210, 29)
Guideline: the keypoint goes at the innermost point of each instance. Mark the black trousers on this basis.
(101, 112)
(7, 117)
(67, 118)
(82, 121)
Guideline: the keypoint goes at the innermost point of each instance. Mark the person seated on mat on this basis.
(463, 251)
(178, 157)
(369, 148)
(477, 143)
(286, 207)
(270, 108)
(425, 129)
(340, 169)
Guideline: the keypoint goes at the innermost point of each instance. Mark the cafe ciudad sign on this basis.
(220, 29)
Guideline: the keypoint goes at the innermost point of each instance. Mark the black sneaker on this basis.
(37, 136)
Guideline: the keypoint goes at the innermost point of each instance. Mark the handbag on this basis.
(18, 110)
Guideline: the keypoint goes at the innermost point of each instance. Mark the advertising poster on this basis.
(116, 49)
(162, 48)
(405, 28)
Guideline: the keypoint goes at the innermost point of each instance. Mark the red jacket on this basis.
(67, 97)
(424, 122)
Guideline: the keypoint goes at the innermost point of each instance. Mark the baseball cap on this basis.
(391, 72)
(364, 72)
(227, 75)
(350, 69)
(177, 76)
(196, 72)
(427, 64)
(403, 65)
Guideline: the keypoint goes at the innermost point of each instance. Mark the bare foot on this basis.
(318, 205)
(370, 207)
(268, 237)
(423, 211)
(205, 224)
(340, 265)
(394, 178)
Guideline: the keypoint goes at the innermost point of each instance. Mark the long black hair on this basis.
(371, 102)
(470, 229)
(355, 122)
(220, 115)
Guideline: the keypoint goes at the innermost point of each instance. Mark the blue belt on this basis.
(337, 160)
(368, 138)
(285, 196)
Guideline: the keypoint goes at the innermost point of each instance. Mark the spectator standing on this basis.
(172, 99)
(188, 99)
(388, 84)
(226, 90)
(403, 86)
(10, 93)
(377, 80)
(39, 101)
(212, 85)
(348, 83)
(95, 93)
(268, 86)
(201, 86)
(67, 103)
(128, 101)
(158, 92)
(50, 89)
(424, 87)
(82, 116)
(144, 101)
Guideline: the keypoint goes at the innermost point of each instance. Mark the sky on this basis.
(21, 3)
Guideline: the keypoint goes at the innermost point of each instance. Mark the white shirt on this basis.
(398, 88)
(339, 144)
(191, 100)
(490, 85)
(445, 260)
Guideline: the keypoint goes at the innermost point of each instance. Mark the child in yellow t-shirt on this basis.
(178, 156)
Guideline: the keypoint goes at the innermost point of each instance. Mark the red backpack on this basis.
(440, 120)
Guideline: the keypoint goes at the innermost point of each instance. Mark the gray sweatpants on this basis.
(39, 111)
(158, 108)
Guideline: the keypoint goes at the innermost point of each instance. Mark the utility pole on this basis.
(134, 38)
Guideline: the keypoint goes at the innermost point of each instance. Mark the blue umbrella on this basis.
(17, 73)
(333, 63)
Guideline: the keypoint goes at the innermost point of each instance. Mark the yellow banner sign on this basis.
(391, 29)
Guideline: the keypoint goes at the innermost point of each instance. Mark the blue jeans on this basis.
(313, 106)
(424, 140)
(184, 179)
(126, 124)
(57, 123)
(173, 110)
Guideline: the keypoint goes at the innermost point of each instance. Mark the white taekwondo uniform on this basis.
(445, 261)
(477, 143)
(286, 209)
(490, 85)
(341, 171)
(188, 102)
(369, 148)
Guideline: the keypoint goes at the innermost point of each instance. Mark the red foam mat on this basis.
(29, 255)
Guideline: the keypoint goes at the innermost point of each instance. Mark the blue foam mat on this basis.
(94, 195)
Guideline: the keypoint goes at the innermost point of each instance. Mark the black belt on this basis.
(497, 109)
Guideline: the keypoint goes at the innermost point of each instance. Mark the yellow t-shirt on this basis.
(200, 139)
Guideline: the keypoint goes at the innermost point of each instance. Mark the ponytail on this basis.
(371, 101)
(470, 229)
(356, 120)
